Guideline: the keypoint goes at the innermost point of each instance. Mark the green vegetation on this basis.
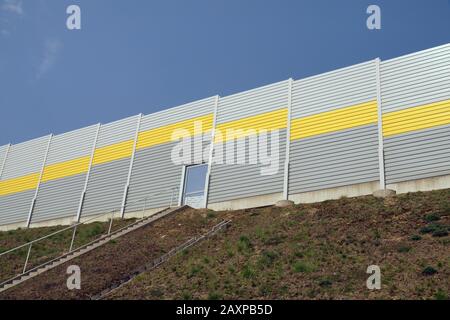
(317, 251)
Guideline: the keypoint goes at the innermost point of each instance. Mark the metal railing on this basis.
(162, 259)
(112, 213)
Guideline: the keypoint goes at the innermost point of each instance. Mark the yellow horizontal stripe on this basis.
(336, 120)
(416, 118)
(28, 182)
(163, 134)
(66, 169)
(113, 152)
(273, 120)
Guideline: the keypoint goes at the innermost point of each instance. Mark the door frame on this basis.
(184, 178)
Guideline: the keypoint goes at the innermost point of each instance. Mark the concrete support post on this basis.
(288, 144)
(130, 169)
(44, 161)
(2, 167)
(211, 150)
(380, 126)
(86, 181)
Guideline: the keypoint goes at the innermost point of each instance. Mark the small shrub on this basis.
(244, 244)
(441, 295)
(194, 270)
(429, 271)
(267, 258)
(444, 209)
(186, 296)
(432, 227)
(432, 217)
(211, 214)
(415, 237)
(248, 272)
(404, 249)
(440, 233)
(214, 296)
(325, 283)
(302, 266)
(156, 293)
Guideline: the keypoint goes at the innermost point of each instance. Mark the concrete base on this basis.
(245, 203)
(427, 184)
(384, 193)
(335, 193)
(284, 203)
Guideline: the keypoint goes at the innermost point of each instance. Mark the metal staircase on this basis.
(35, 271)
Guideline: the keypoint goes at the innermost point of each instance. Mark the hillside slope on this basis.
(114, 261)
(317, 251)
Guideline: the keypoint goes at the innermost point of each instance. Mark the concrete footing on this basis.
(284, 203)
(383, 193)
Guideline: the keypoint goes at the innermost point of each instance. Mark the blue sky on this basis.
(135, 56)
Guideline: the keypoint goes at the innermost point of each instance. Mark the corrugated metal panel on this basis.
(236, 181)
(334, 159)
(106, 187)
(3, 153)
(64, 175)
(117, 131)
(177, 114)
(416, 114)
(334, 129)
(418, 154)
(416, 79)
(334, 90)
(253, 102)
(257, 109)
(58, 198)
(25, 158)
(14, 208)
(107, 180)
(154, 172)
(71, 145)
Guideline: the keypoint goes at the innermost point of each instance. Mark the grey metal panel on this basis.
(3, 152)
(334, 159)
(177, 114)
(106, 186)
(418, 154)
(15, 207)
(334, 90)
(253, 102)
(117, 131)
(71, 145)
(58, 198)
(154, 174)
(416, 79)
(25, 158)
(234, 181)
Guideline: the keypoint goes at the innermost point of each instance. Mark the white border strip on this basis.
(380, 126)
(211, 150)
(130, 169)
(88, 174)
(288, 143)
(44, 162)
